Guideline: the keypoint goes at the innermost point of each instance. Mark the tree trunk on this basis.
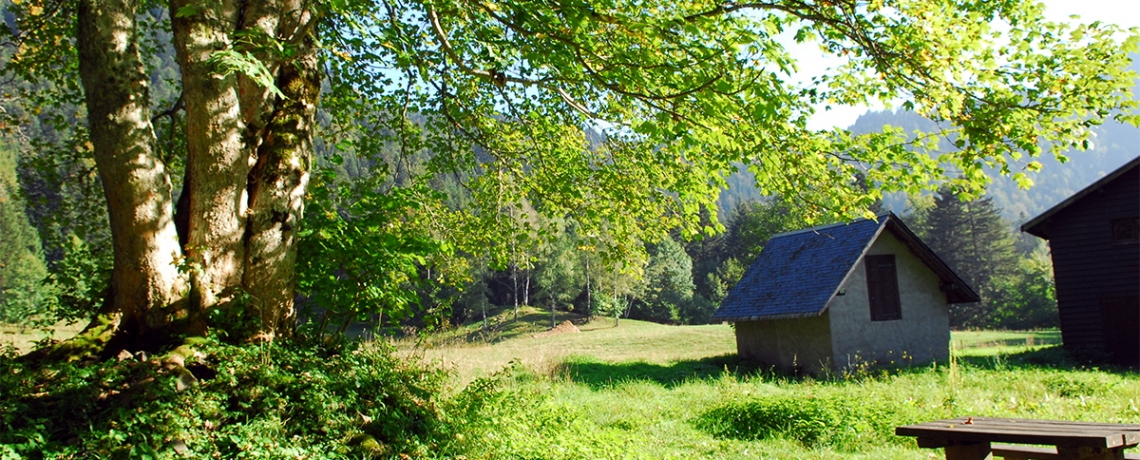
(146, 285)
(515, 280)
(277, 185)
(589, 305)
(617, 317)
(217, 157)
(247, 165)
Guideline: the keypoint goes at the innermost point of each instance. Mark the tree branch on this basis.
(496, 77)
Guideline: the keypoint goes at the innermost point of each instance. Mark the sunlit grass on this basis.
(644, 390)
(473, 354)
(25, 338)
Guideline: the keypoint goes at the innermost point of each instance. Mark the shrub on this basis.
(813, 421)
(289, 399)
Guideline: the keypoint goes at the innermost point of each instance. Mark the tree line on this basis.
(683, 282)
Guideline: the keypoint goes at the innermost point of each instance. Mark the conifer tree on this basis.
(559, 275)
(22, 268)
(668, 283)
(974, 240)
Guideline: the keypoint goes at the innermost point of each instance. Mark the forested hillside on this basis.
(1113, 145)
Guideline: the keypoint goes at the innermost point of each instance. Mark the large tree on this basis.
(502, 93)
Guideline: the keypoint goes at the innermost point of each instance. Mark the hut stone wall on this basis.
(803, 343)
(921, 335)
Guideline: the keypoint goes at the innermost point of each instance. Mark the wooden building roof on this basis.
(1039, 226)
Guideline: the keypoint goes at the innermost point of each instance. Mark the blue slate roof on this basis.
(797, 273)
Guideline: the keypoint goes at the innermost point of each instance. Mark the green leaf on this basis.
(186, 11)
(229, 61)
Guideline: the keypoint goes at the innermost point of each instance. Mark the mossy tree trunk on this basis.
(248, 155)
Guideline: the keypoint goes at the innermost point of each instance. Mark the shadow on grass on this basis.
(600, 374)
(1047, 357)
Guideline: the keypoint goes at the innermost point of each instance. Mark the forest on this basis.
(192, 184)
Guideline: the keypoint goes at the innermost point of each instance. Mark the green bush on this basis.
(317, 400)
(510, 415)
(698, 310)
(812, 421)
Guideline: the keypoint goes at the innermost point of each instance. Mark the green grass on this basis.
(25, 338)
(989, 343)
(471, 353)
(644, 390)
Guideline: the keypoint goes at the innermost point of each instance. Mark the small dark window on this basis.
(883, 288)
(1126, 230)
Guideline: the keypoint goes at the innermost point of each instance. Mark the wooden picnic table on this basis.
(971, 438)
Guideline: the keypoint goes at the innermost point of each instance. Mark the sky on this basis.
(1125, 13)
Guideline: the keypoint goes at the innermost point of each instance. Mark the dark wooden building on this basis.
(1094, 237)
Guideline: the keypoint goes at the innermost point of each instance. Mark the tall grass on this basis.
(650, 391)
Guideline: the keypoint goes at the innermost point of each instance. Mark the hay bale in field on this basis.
(562, 328)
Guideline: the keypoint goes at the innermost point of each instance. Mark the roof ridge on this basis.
(878, 217)
(1028, 226)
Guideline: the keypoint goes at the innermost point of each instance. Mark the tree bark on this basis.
(589, 303)
(276, 193)
(145, 283)
(248, 158)
(217, 158)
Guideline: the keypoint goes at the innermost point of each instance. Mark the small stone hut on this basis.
(846, 294)
(1094, 238)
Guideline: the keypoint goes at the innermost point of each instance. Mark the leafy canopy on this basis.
(628, 115)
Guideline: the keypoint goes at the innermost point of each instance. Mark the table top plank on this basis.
(1042, 423)
(1003, 428)
(1026, 431)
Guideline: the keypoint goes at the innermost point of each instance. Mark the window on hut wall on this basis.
(1126, 231)
(883, 287)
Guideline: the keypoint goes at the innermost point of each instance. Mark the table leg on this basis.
(980, 451)
(1090, 453)
(957, 450)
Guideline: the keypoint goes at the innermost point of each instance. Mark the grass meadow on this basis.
(24, 338)
(644, 390)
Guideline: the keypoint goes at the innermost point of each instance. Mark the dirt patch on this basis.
(562, 328)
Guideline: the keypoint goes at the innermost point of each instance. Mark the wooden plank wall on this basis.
(1091, 269)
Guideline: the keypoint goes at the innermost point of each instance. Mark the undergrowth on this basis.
(814, 422)
(288, 400)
